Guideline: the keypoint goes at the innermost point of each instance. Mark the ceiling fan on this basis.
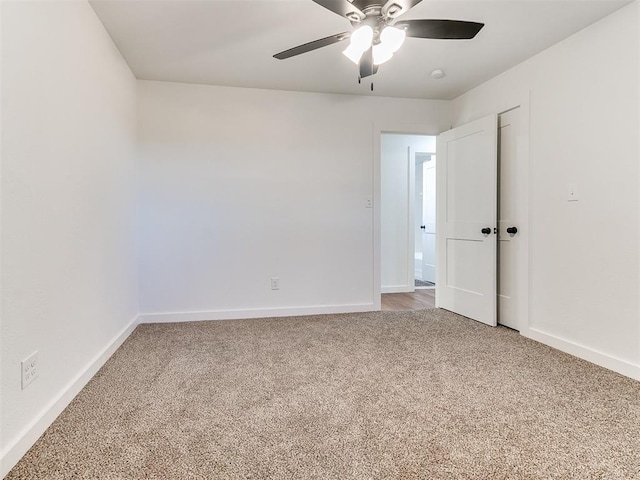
(377, 33)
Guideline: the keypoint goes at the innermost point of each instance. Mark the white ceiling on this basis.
(231, 42)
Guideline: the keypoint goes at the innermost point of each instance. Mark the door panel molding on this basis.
(467, 196)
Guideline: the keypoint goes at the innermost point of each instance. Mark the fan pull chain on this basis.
(360, 82)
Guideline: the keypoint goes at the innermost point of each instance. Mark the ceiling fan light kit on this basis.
(361, 41)
(377, 35)
(390, 41)
(381, 54)
(393, 38)
(353, 53)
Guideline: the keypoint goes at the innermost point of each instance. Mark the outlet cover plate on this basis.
(30, 370)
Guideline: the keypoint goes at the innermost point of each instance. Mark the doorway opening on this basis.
(501, 223)
(407, 220)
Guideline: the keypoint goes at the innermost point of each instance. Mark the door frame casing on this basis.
(378, 130)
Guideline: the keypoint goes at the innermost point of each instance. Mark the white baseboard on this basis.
(25, 440)
(170, 317)
(398, 289)
(618, 365)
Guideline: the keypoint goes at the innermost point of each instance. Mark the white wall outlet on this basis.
(572, 193)
(30, 369)
(368, 203)
(275, 283)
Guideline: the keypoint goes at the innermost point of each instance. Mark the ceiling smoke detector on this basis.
(438, 74)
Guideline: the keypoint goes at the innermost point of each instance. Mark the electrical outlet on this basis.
(572, 193)
(29, 369)
(275, 283)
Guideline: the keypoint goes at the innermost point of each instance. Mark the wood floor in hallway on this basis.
(418, 300)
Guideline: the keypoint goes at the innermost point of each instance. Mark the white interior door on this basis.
(429, 220)
(509, 227)
(419, 214)
(467, 191)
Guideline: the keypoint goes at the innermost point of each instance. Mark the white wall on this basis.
(68, 179)
(583, 129)
(397, 263)
(240, 185)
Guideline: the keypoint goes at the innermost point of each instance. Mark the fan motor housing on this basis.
(377, 15)
(364, 5)
(371, 9)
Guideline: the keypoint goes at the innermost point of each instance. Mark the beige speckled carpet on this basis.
(385, 395)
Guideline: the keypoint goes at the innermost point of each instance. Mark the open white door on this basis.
(429, 220)
(466, 219)
(511, 267)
